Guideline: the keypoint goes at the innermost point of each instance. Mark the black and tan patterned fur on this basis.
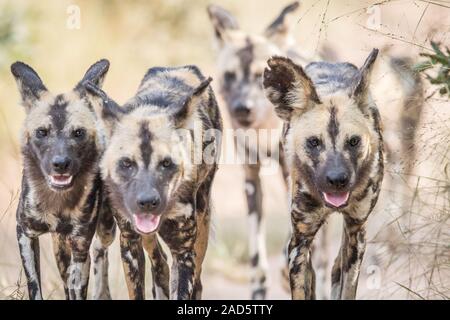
(334, 146)
(60, 139)
(241, 58)
(151, 175)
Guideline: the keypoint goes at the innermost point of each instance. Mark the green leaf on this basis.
(422, 66)
(436, 48)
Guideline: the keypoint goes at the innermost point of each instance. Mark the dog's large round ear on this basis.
(288, 87)
(362, 80)
(106, 109)
(96, 73)
(279, 31)
(223, 21)
(191, 103)
(29, 84)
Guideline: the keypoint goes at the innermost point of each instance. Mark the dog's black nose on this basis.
(148, 202)
(338, 179)
(241, 111)
(61, 164)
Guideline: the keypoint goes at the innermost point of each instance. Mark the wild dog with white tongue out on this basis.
(155, 183)
(333, 142)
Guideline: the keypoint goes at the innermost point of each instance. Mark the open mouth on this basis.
(244, 122)
(146, 223)
(336, 199)
(61, 180)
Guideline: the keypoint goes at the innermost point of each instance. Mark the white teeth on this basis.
(61, 180)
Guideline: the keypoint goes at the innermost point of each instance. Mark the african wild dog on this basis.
(333, 141)
(157, 189)
(61, 185)
(241, 61)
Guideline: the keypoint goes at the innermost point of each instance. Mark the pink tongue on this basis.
(146, 223)
(336, 199)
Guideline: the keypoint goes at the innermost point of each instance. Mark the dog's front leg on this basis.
(320, 252)
(104, 236)
(160, 267)
(301, 272)
(180, 234)
(133, 261)
(79, 268)
(182, 275)
(336, 273)
(257, 241)
(355, 233)
(100, 260)
(62, 256)
(29, 253)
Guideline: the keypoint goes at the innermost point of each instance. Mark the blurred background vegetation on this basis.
(136, 35)
(439, 62)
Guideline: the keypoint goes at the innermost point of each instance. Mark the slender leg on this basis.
(336, 274)
(257, 245)
(351, 262)
(160, 267)
(105, 234)
(198, 286)
(133, 264)
(301, 272)
(182, 275)
(180, 234)
(313, 280)
(29, 253)
(79, 268)
(203, 216)
(62, 253)
(100, 260)
(321, 256)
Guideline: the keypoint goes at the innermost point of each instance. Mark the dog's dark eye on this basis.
(354, 141)
(167, 163)
(41, 132)
(126, 163)
(313, 142)
(79, 133)
(229, 76)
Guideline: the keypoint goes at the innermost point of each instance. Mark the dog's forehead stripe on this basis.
(333, 126)
(145, 146)
(58, 112)
(246, 56)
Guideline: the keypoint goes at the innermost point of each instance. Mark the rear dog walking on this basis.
(158, 186)
(333, 141)
(241, 60)
(61, 186)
